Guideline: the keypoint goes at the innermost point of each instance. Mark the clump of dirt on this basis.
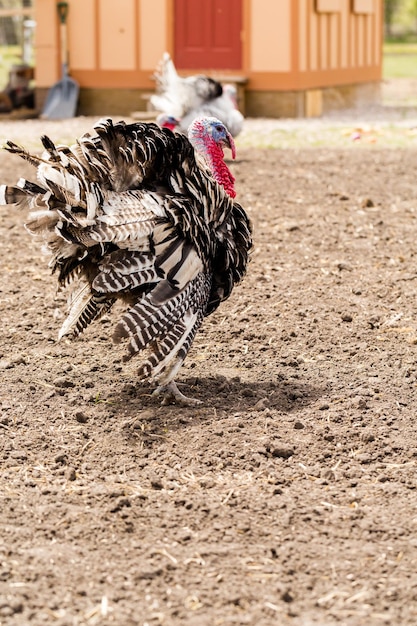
(290, 495)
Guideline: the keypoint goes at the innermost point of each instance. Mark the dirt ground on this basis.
(289, 497)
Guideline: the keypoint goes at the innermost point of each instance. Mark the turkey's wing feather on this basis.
(234, 244)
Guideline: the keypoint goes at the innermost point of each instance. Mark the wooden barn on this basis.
(289, 57)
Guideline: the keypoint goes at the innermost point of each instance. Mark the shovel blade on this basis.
(61, 101)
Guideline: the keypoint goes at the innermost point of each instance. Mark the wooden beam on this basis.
(13, 12)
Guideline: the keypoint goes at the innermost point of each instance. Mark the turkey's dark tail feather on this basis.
(125, 272)
(24, 195)
(85, 307)
(165, 321)
(12, 147)
(170, 350)
(139, 153)
(160, 309)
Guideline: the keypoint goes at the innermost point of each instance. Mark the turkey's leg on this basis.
(171, 393)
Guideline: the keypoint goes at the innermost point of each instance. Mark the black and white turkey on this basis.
(188, 98)
(138, 213)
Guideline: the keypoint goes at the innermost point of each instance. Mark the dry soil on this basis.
(289, 497)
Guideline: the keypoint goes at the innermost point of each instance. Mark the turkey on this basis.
(186, 99)
(140, 214)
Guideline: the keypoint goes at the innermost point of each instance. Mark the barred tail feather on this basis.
(165, 328)
(85, 308)
(145, 321)
(156, 314)
(170, 351)
(25, 195)
(113, 282)
(12, 147)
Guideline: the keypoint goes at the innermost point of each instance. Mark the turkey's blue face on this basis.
(220, 134)
(207, 133)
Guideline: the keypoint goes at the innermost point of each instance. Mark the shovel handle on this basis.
(62, 8)
(62, 11)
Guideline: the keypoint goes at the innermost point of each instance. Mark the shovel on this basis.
(62, 98)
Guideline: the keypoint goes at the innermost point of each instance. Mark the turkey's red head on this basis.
(167, 121)
(208, 135)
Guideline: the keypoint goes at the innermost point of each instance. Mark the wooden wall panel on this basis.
(303, 35)
(46, 43)
(271, 36)
(152, 32)
(338, 39)
(286, 44)
(117, 34)
(344, 35)
(364, 6)
(323, 42)
(353, 60)
(334, 41)
(360, 41)
(313, 26)
(82, 34)
(328, 6)
(377, 22)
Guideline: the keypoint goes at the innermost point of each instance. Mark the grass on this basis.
(400, 59)
(399, 66)
(391, 47)
(405, 37)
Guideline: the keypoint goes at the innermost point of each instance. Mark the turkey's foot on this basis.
(171, 394)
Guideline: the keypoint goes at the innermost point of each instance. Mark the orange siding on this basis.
(118, 34)
(152, 41)
(344, 37)
(363, 6)
(334, 38)
(377, 22)
(338, 39)
(271, 36)
(82, 34)
(286, 44)
(312, 61)
(47, 44)
(302, 30)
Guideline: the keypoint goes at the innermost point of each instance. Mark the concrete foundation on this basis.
(312, 102)
(102, 102)
(275, 104)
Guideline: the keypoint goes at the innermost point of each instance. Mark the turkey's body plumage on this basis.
(188, 98)
(131, 214)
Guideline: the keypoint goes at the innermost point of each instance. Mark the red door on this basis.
(207, 34)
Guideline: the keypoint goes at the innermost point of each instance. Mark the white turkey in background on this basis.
(188, 98)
